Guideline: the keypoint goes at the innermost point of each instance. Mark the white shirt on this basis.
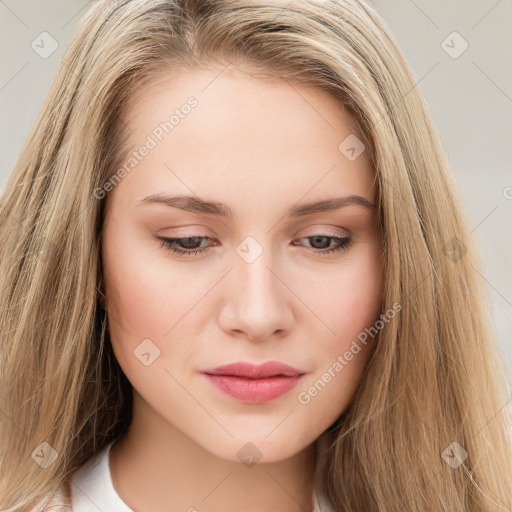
(92, 488)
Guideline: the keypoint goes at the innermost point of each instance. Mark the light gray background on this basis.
(470, 98)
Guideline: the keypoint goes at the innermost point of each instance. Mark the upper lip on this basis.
(255, 371)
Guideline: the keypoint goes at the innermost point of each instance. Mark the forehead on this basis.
(244, 136)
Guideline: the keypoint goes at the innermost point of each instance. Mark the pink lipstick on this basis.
(254, 383)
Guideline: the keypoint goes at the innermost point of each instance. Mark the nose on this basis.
(257, 304)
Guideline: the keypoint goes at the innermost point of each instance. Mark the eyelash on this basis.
(170, 244)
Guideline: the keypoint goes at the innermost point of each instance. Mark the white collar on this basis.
(92, 488)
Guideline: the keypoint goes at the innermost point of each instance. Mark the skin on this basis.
(261, 148)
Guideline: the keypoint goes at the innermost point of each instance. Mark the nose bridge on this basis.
(258, 300)
(257, 284)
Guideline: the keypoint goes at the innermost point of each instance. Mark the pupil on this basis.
(318, 239)
(188, 243)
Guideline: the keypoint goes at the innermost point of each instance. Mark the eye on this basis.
(192, 245)
(188, 244)
(324, 241)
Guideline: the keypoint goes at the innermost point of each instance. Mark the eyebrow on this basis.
(195, 204)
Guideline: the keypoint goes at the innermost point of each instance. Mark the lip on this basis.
(253, 383)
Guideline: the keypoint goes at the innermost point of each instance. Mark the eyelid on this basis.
(188, 232)
(334, 232)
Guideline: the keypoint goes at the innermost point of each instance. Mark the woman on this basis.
(236, 273)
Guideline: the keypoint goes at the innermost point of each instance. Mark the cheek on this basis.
(151, 298)
(142, 304)
(357, 305)
(348, 303)
(348, 297)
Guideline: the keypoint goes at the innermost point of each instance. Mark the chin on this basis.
(255, 447)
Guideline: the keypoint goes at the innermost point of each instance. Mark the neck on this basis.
(155, 467)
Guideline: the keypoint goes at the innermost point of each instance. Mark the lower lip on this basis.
(254, 390)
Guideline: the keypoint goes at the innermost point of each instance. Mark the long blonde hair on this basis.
(426, 429)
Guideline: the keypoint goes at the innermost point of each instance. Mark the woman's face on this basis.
(267, 276)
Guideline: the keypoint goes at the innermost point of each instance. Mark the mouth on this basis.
(252, 383)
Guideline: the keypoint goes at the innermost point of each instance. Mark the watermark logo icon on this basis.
(44, 45)
(454, 45)
(44, 455)
(249, 454)
(249, 249)
(351, 147)
(146, 352)
(454, 249)
(455, 455)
